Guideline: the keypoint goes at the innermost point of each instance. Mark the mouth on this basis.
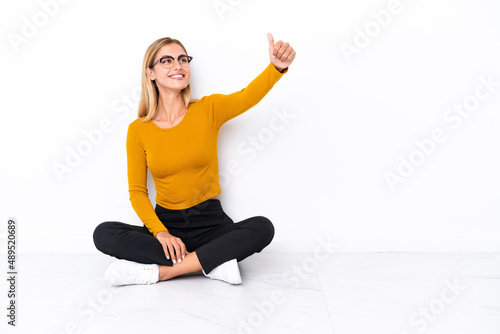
(177, 76)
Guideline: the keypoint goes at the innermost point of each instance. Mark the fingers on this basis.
(289, 55)
(183, 252)
(177, 256)
(275, 48)
(165, 249)
(282, 51)
(174, 248)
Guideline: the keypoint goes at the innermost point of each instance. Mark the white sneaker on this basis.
(123, 272)
(227, 272)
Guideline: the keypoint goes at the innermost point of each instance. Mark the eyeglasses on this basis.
(168, 61)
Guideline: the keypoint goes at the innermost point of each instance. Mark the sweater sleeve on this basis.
(137, 182)
(221, 108)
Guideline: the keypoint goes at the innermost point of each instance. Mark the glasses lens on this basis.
(184, 60)
(167, 61)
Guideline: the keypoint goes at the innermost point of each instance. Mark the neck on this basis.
(170, 106)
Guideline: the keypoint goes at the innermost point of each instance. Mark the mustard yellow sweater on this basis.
(183, 159)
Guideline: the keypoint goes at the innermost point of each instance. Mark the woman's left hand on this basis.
(281, 54)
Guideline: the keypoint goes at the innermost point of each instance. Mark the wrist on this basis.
(279, 69)
(161, 233)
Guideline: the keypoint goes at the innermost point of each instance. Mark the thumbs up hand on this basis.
(281, 54)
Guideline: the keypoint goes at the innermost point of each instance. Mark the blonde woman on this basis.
(176, 138)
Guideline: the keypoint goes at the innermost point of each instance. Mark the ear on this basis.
(151, 74)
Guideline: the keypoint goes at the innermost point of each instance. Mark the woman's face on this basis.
(175, 78)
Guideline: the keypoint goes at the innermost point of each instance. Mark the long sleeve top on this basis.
(183, 159)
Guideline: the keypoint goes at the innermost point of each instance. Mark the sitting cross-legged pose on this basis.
(175, 137)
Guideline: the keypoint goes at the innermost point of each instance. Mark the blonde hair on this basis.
(148, 102)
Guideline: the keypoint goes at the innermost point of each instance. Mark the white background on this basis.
(323, 174)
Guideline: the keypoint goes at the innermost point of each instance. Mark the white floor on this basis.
(345, 293)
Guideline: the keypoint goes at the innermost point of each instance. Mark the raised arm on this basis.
(222, 107)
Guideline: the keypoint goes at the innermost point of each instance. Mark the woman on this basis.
(176, 138)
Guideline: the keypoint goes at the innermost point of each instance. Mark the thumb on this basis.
(271, 40)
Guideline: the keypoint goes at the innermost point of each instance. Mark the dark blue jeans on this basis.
(204, 228)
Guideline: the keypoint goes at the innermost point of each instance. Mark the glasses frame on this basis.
(173, 58)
